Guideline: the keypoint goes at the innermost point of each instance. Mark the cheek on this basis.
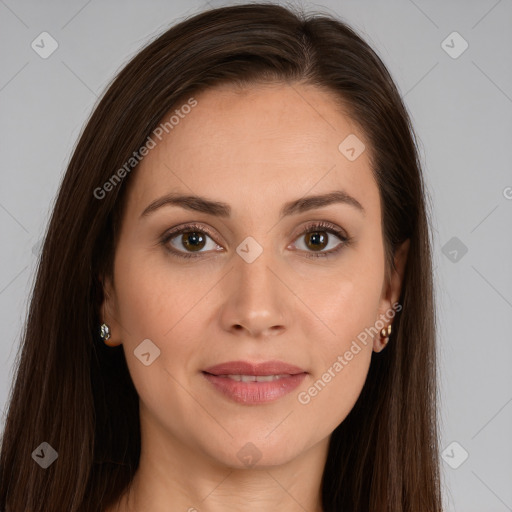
(347, 306)
(160, 302)
(334, 392)
(152, 297)
(156, 303)
(343, 350)
(345, 300)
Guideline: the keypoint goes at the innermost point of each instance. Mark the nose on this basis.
(257, 299)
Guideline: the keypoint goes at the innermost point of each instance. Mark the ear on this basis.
(391, 290)
(109, 312)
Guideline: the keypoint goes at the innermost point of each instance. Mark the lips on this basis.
(261, 369)
(254, 383)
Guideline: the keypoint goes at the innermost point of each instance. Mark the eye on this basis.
(189, 241)
(193, 238)
(317, 238)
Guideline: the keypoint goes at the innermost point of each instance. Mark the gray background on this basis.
(461, 109)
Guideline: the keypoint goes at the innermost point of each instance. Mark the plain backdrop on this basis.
(458, 90)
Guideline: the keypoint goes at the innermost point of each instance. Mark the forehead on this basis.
(255, 145)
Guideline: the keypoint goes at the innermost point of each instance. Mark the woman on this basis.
(234, 305)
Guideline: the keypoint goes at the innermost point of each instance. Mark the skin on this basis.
(217, 307)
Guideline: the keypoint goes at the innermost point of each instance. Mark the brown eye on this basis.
(319, 236)
(189, 241)
(193, 240)
(316, 240)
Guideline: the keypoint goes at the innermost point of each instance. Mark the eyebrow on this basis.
(219, 209)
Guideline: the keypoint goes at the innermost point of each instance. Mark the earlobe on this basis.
(391, 294)
(109, 329)
(385, 333)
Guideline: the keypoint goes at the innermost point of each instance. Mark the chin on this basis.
(258, 453)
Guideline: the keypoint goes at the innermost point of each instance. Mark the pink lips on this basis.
(254, 392)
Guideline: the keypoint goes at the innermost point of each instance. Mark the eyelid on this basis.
(318, 225)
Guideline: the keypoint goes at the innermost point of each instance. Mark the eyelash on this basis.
(312, 228)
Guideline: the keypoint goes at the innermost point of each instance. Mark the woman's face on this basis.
(263, 283)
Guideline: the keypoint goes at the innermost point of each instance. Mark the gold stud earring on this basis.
(385, 333)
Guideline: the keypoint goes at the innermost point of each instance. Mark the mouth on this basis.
(254, 383)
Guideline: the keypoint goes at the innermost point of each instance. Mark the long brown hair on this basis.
(75, 393)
